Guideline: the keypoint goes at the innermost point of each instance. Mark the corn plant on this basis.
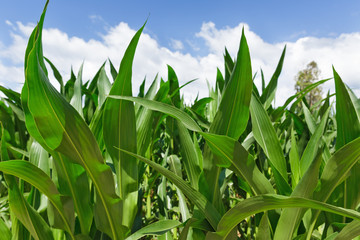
(90, 161)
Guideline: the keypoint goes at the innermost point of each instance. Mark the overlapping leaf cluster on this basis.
(93, 162)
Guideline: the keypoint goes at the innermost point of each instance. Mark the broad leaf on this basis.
(58, 127)
(194, 196)
(262, 203)
(119, 131)
(265, 135)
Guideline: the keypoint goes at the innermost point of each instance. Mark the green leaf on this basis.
(20, 209)
(262, 80)
(103, 85)
(310, 121)
(277, 113)
(348, 129)
(290, 218)
(189, 156)
(268, 94)
(4, 231)
(336, 171)
(194, 196)
(313, 144)
(76, 100)
(229, 66)
(220, 81)
(119, 131)
(267, 202)
(113, 71)
(264, 228)
(73, 182)
(141, 90)
(39, 157)
(31, 219)
(233, 113)
(175, 166)
(174, 86)
(348, 126)
(36, 177)
(164, 108)
(145, 118)
(350, 231)
(265, 135)
(294, 160)
(155, 229)
(58, 127)
(12, 95)
(188, 232)
(57, 75)
(231, 152)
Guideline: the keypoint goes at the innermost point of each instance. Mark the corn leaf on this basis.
(350, 231)
(294, 160)
(313, 145)
(73, 182)
(231, 153)
(155, 229)
(290, 218)
(346, 116)
(36, 177)
(265, 135)
(164, 108)
(268, 94)
(57, 75)
(76, 100)
(58, 127)
(4, 231)
(31, 219)
(145, 118)
(267, 202)
(119, 131)
(20, 209)
(233, 113)
(207, 209)
(348, 129)
(336, 171)
(190, 158)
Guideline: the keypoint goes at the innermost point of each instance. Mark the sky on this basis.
(188, 35)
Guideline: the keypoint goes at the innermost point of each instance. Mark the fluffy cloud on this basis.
(151, 58)
(343, 52)
(176, 44)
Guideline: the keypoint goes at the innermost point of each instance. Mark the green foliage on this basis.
(93, 162)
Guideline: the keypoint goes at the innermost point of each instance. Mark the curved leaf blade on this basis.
(267, 202)
(164, 108)
(350, 231)
(119, 131)
(196, 197)
(58, 127)
(40, 180)
(265, 135)
(231, 152)
(156, 228)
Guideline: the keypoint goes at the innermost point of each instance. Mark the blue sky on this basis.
(195, 28)
(274, 21)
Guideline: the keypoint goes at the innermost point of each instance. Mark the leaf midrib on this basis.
(80, 157)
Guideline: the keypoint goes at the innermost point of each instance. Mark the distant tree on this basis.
(306, 77)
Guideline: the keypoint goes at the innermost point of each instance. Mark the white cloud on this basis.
(8, 23)
(151, 58)
(343, 52)
(176, 44)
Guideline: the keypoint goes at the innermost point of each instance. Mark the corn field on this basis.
(91, 161)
